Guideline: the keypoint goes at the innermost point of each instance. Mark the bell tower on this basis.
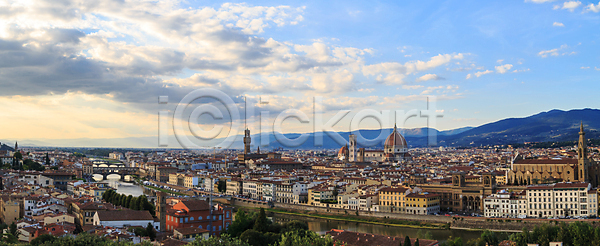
(582, 161)
(247, 141)
(161, 209)
(352, 148)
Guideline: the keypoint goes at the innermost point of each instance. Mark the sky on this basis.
(95, 69)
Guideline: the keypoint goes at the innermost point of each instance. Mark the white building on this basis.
(561, 200)
(123, 218)
(502, 204)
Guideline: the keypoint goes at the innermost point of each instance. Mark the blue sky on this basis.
(94, 70)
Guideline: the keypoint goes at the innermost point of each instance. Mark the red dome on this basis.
(343, 150)
(395, 139)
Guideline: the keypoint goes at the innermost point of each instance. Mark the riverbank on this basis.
(140, 182)
(360, 219)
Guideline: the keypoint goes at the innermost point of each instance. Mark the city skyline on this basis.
(84, 70)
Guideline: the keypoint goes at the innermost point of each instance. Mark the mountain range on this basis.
(554, 125)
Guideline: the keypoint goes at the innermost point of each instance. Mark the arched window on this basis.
(199, 217)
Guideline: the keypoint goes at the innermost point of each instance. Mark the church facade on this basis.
(534, 171)
(395, 149)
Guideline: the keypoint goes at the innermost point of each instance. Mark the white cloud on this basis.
(394, 73)
(593, 8)
(411, 87)
(522, 70)
(429, 76)
(571, 5)
(597, 68)
(480, 73)
(558, 24)
(552, 52)
(469, 76)
(539, 1)
(500, 60)
(503, 68)
(584, 67)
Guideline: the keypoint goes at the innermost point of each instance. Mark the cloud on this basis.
(411, 87)
(571, 5)
(597, 68)
(521, 70)
(539, 1)
(584, 67)
(479, 74)
(593, 8)
(558, 24)
(429, 76)
(552, 52)
(393, 73)
(503, 68)
(500, 60)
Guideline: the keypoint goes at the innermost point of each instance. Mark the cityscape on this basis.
(299, 123)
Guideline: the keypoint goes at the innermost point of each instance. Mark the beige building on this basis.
(537, 171)
(11, 209)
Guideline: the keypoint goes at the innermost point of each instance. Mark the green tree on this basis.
(407, 241)
(417, 242)
(150, 232)
(43, 239)
(305, 238)
(47, 160)
(253, 237)
(261, 224)
(134, 204)
(128, 201)
(224, 240)
(12, 229)
(241, 223)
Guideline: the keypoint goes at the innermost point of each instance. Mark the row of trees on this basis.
(131, 202)
(254, 229)
(572, 234)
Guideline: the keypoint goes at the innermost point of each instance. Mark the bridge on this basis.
(105, 168)
(121, 171)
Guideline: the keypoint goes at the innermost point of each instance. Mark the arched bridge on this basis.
(120, 170)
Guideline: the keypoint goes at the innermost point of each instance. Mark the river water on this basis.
(120, 186)
(323, 225)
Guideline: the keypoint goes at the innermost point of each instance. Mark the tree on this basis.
(417, 242)
(134, 203)
(407, 241)
(253, 237)
(222, 186)
(42, 239)
(242, 222)
(224, 240)
(12, 229)
(150, 232)
(305, 238)
(47, 160)
(128, 202)
(261, 224)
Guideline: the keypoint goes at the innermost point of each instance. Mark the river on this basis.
(323, 225)
(121, 187)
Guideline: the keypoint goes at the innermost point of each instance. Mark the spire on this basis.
(581, 127)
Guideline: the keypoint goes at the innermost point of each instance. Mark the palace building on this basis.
(395, 149)
(534, 171)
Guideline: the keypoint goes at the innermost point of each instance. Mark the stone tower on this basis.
(582, 161)
(161, 209)
(247, 141)
(352, 150)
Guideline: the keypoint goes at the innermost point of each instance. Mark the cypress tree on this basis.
(407, 241)
(417, 242)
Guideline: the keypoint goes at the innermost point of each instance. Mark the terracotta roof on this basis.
(121, 215)
(546, 161)
(362, 239)
(196, 205)
(190, 230)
